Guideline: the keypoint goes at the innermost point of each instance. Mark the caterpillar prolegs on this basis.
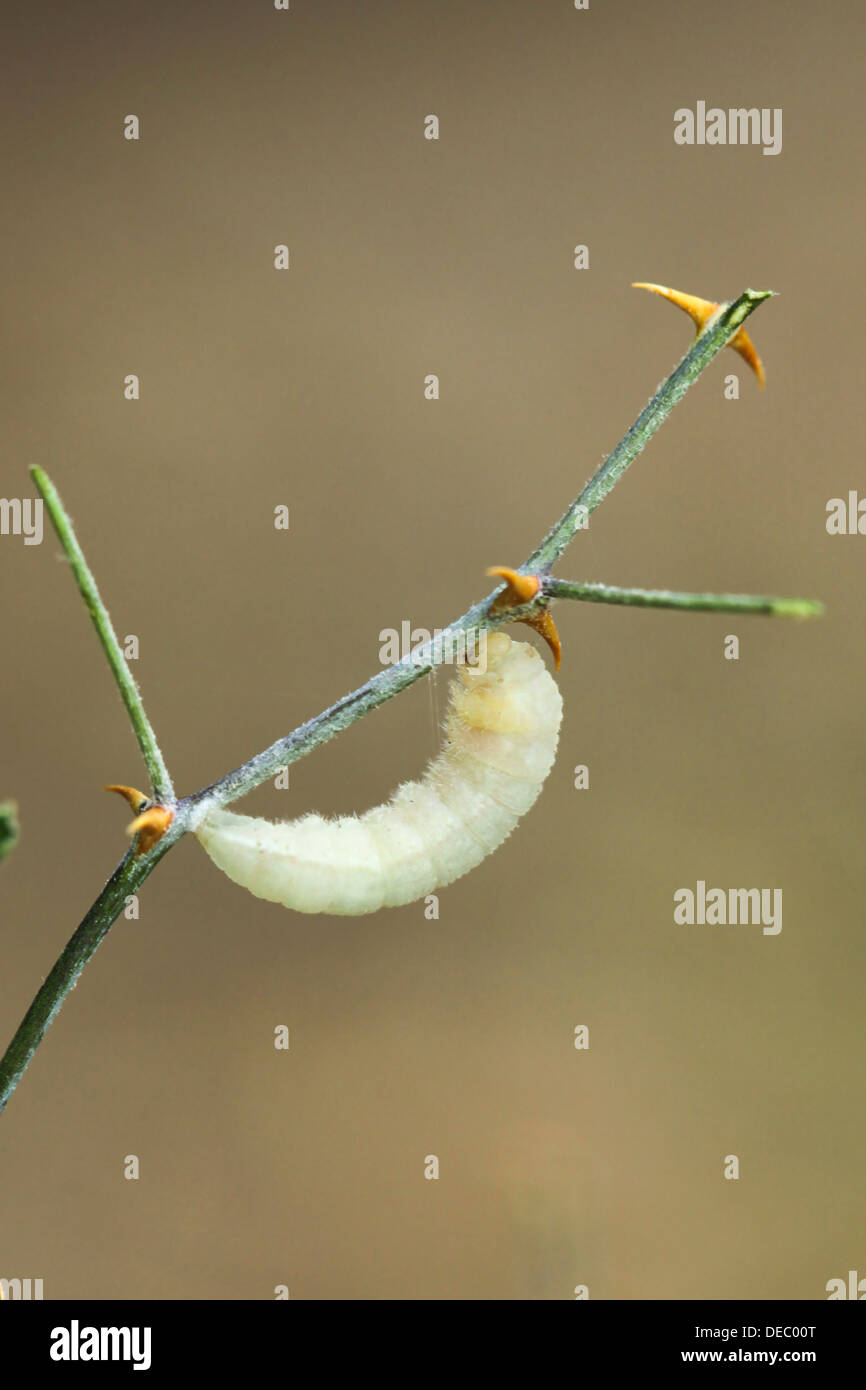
(501, 727)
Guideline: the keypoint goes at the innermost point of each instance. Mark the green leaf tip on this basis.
(797, 608)
(9, 830)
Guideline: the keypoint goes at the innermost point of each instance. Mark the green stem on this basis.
(160, 780)
(716, 334)
(667, 598)
(126, 879)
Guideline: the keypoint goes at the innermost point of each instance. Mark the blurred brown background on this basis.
(409, 257)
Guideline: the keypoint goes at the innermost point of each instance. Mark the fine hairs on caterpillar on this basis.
(501, 732)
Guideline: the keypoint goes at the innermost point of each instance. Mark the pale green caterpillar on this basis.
(502, 728)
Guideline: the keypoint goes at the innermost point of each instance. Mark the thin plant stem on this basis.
(125, 881)
(150, 750)
(699, 603)
(715, 335)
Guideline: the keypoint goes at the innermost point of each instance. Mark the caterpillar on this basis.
(501, 727)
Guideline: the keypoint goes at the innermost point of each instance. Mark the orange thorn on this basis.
(136, 799)
(546, 627)
(520, 589)
(151, 822)
(699, 310)
(150, 827)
